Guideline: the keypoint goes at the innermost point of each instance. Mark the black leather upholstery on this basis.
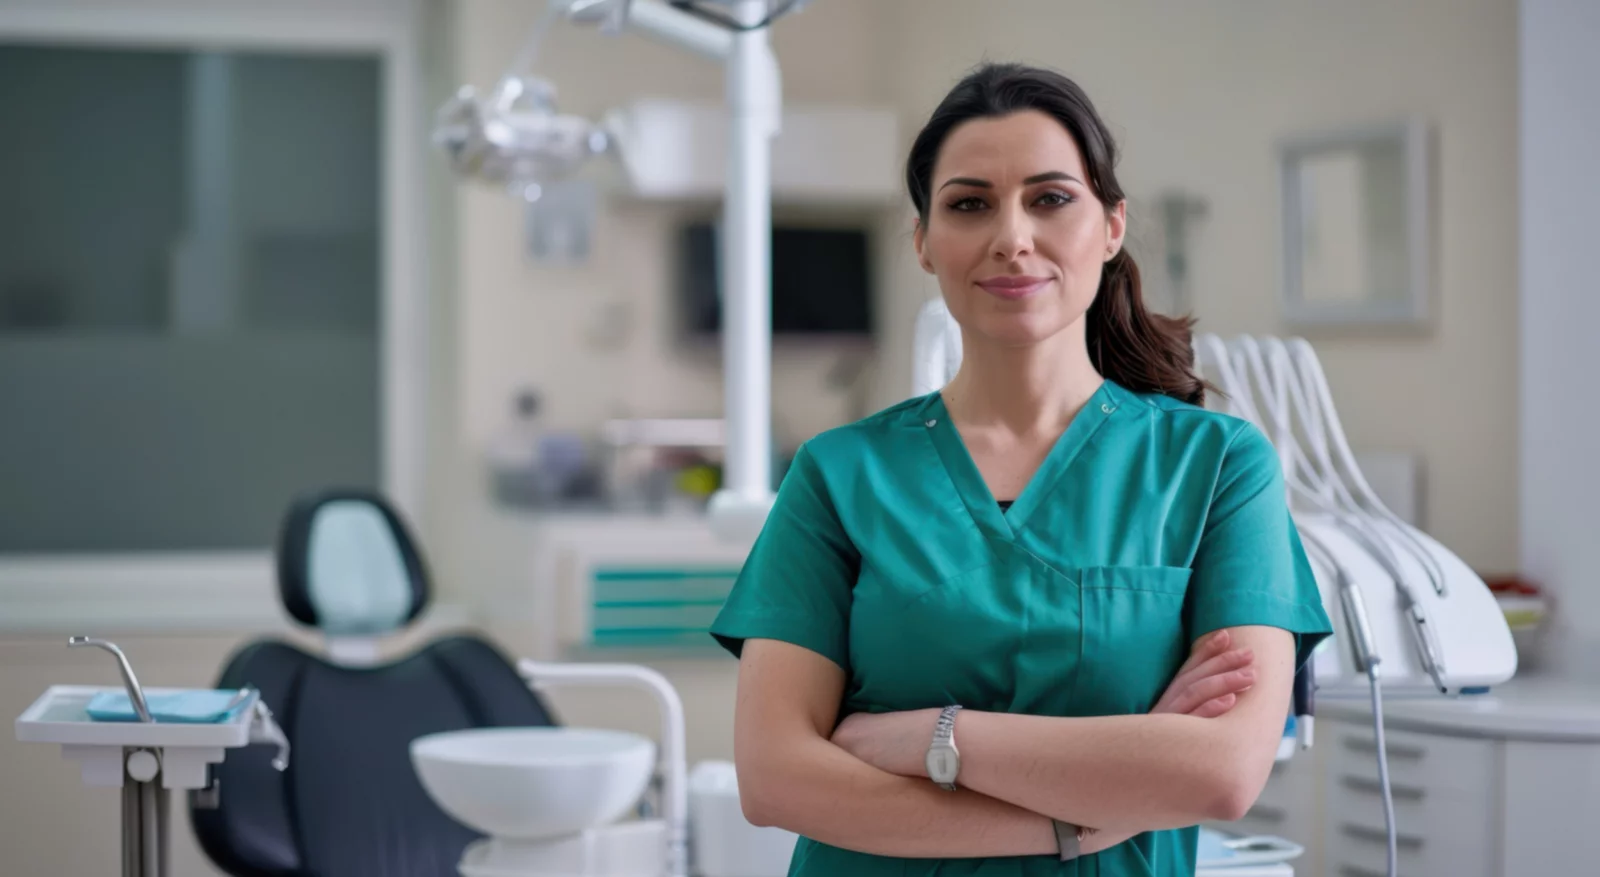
(350, 804)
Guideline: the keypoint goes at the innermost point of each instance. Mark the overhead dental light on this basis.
(516, 139)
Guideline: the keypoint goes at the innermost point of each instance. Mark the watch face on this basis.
(943, 764)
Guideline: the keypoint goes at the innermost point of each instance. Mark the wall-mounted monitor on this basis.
(821, 281)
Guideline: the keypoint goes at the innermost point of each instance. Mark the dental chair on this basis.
(350, 803)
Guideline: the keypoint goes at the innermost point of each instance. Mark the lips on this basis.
(1013, 286)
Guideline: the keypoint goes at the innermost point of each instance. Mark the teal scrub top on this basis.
(1150, 523)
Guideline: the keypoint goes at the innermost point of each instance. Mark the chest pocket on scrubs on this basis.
(1003, 637)
(1133, 635)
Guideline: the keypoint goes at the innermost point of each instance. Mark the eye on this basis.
(1055, 199)
(967, 204)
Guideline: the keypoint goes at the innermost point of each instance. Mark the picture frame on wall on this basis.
(1356, 226)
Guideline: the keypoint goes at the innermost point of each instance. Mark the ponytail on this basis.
(1135, 348)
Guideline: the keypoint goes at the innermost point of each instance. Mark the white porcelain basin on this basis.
(534, 783)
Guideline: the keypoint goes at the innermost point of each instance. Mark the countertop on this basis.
(1532, 708)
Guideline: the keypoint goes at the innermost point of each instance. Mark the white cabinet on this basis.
(1552, 808)
(1502, 786)
(1446, 794)
(618, 586)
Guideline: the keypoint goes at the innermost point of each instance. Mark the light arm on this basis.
(661, 22)
(654, 19)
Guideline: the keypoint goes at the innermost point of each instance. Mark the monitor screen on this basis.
(820, 281)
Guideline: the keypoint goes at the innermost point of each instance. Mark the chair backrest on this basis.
(350, 802)
(935, 348)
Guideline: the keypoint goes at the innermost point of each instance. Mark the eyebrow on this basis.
(1045, 177)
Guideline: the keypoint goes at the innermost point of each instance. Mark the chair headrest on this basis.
(935, 348)
(348, 566)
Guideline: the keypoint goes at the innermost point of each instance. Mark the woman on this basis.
(995, 586)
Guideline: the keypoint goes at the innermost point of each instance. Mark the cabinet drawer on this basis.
(1445, 793)
(1419, 764)
(1420, 821)
(1354, 851)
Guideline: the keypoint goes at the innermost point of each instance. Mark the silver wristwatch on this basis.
(943, 760)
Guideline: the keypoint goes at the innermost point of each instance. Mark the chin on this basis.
(1020, 328)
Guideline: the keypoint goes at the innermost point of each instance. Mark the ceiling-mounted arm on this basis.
(652, 18)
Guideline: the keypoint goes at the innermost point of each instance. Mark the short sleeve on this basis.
(796, 583)
(1250, 567)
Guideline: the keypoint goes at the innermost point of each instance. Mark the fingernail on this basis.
(1247, 674)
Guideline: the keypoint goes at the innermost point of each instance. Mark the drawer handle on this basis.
(1376, 836)
(1370, 747)
(1373, 787)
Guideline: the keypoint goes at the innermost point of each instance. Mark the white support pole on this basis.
(754, 108)
(754, 104)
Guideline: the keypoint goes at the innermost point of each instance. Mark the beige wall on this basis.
(1560, 474)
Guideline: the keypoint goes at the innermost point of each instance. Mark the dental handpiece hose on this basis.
(1304, 686)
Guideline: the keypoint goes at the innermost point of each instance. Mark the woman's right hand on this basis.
(1208, 684)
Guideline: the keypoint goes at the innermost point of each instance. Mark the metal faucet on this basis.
(129, 681)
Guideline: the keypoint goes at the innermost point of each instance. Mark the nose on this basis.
(1013, 233)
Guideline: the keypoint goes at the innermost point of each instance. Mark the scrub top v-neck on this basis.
(1148, 524)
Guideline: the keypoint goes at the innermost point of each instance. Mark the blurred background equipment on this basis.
(515, 138)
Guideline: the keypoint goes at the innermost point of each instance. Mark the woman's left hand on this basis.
(893, 742)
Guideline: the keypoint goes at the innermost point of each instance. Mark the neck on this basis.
(1035, 389)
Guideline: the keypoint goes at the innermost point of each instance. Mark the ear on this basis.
(919, 241)
(1116, 228)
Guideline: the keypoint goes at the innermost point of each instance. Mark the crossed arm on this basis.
(862, 786)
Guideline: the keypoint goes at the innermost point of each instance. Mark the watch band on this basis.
(944, 731)
(1069, 839)
(945, 728)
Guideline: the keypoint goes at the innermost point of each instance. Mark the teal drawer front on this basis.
(651, 607)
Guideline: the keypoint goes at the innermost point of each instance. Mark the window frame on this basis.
(166, 590)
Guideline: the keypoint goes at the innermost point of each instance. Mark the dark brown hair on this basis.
(1143, 351)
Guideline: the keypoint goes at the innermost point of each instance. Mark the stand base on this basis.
(146, 829)
(627, 849)
(738, 518)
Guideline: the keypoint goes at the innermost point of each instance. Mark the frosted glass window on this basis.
(189, 293)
